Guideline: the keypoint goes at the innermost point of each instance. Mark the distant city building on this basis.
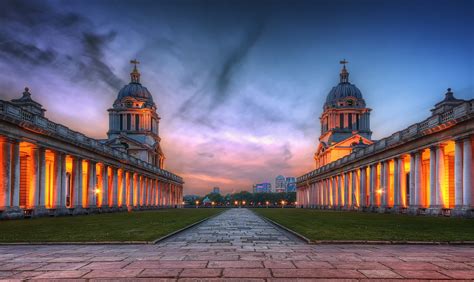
(280, 184)
(291, 184)
(265, 187)
(216, 190)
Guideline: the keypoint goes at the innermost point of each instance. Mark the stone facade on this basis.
(49, 169)
(423, 169)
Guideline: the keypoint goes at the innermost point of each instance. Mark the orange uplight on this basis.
(97, 191)
(243, 203)
(379, 191)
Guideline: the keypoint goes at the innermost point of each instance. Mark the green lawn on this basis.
(334, 225)
(134, 226)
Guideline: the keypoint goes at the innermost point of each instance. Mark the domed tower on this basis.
(345, 122)
(133, 122)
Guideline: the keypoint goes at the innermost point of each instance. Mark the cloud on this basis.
(33, 33)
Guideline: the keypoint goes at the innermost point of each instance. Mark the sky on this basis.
(239, 85)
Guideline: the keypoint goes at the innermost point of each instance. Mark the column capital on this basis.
(462, 138)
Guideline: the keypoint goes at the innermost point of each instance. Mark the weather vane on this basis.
(343, 62)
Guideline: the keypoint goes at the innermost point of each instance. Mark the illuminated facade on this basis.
(345, 122)
(280, 184)
(49, 169)
(423, 169)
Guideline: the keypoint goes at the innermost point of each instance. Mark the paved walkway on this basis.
(239, 246)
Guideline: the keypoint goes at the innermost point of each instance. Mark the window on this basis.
(357, 121)
(121, 121)
(350, 103)
(350, 120)
(137, 122)
(341, 120)
(129, 121)
(151, 124)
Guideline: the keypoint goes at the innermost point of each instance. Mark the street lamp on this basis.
(267, 203)
(212, 203)
(197, 204)
(282, 204)
(243, 203)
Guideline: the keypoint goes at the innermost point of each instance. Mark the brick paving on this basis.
(236, 246)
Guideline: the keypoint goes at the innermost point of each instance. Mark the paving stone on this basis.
(247, 273)
(379, 273)
(164, 272)
(66, 274)
(237, 245)
(421, 274)
(201, 273)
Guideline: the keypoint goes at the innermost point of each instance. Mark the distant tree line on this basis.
(243, 198)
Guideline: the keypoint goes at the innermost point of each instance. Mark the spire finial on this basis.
(27, 92)
(135, 75)
(344, 73)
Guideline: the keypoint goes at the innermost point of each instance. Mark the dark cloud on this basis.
(26, 39)
(232, 62)
(29, 53)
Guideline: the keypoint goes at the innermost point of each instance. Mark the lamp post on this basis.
(197, 204)
(282, 204)
(212, 204)
(267, 203)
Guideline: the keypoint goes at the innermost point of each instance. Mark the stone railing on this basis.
(464, 110)
(55, 129)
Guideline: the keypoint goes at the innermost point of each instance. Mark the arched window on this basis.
(341, 120)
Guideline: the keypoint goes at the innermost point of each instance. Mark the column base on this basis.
(40, 211)
(12, 213)
(61, 211)
(463, 211)
(434, 211)
(79, 211)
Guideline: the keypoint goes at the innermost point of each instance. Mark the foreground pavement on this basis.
(236, 245)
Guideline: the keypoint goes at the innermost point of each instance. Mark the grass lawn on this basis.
(335, 225)
(123, 226)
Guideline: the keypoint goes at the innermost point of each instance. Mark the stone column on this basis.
(138, 190)
(355, 198)
(412, 201)
(418, 184)
(130, 190)
(92, 185)
(433, 175)
(63, 182)
(5, 174)
(105, 187)
(396, 183)
(439, 177)
(42, 179)
(373, 181)
(347, 190)
(57, 180)
(16, 178)
(114, 187)
(78, 185)
(383, 184)
(123, 194)
(458, 173)
(403, 183)
(363, 187)
(467, 174)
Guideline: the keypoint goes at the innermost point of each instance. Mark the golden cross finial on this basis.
(135, 62)
(343, 62)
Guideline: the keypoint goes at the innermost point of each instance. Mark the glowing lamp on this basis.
(243, 202)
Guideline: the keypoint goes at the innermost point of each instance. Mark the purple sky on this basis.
(239, 84)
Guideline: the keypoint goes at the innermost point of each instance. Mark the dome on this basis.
(344, 90)
(135, 90)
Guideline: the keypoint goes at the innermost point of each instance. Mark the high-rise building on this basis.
(280, 184)
(265, 187)
(216, 190)
(291, 184)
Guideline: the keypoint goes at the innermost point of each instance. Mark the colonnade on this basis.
(37, 180)
(430, 180)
